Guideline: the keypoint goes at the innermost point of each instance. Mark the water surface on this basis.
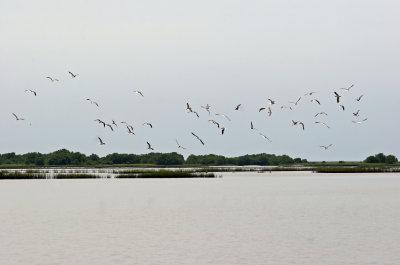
(242, 218)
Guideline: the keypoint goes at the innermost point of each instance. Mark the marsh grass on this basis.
(164, 174)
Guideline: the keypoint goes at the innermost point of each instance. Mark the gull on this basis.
(316, 100)
(130, 129)
(295, 103)
(139, 92)
(102, 122)
(216, 123)
(298, 122)
(195, 112)
(356, 113)
(348, 88)
(30, 90)
(127, 125)
(326, 146)
(251, 126)
(17, 118)
(309, 93)
(109, 125)
(92, 102)
(265, 137)
(322, 123)
(198, 138)
(359, 122)
(101, 141)
(286, 107)
(222, 130)
(269, 111)
(260, 109)
(271, 102)
(52, 79)
(148, 124)
(223, 115)
(149, 146)
(337, 97)
(73, 75)
(188, 107)
(321, 113)
(341, 106)
(207, 108)
(238, 107)
(179, 146)
(359, 98)
(113, 122)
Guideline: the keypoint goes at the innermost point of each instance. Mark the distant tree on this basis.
(297, 160)
(381, 158)
(371, 159)
(391, 159)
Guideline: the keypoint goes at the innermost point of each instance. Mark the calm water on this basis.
(278, 218)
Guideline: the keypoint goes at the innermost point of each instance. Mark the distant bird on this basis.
(316, 100)
(148, 124)
(179, 146)
(269, 111)
(197, 114)
(223, 115)
(101, 141)
(149, 146)
(321, 113)
(359, 122)
(295, 103)
(216, 123)
(359, 98)
(17, 118)
(265, 137)
(322, 123)
(102, 122)
(356, 113)
(92, 102)
(109, 125)
(130, 129)
(207, 108)
(198, 138)
(348, 88)
(286, 107)
(271, 102)
(73, 75)
(341, 106)
(52, 79)
(260, 109)
(113, 122)
(309, 93)
(30, 90)
(139, 92)
(251, 126)
(326, 146)
(222, 130)
(298, 122)
(337, 97)
(238, 107)
(188, 107)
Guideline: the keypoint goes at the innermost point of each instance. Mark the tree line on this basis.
(65, 157)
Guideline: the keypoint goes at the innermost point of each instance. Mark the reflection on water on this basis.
(242, 218)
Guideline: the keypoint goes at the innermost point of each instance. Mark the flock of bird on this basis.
(270, 103)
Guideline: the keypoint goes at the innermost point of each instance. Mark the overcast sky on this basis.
(223, 53)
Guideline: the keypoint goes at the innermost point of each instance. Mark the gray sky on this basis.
(222, 53)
